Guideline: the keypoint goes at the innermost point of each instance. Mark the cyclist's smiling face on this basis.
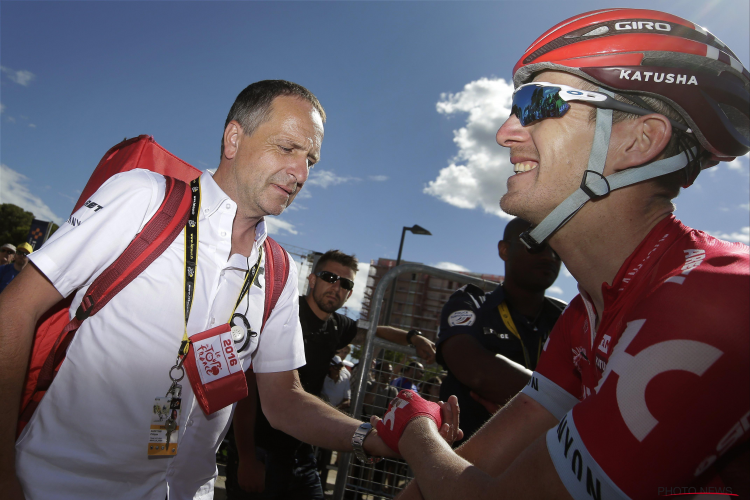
(549, 155)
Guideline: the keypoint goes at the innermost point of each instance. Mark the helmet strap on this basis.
(594, 185)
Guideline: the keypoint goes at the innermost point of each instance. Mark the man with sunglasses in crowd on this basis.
(7, 252)
(290, 466)
(10, 271)
(642, 390)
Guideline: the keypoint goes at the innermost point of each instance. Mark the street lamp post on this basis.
(416, 230)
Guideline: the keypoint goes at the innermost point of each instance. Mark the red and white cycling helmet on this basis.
(637, 52)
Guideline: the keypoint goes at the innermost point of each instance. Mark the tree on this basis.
(15, 223)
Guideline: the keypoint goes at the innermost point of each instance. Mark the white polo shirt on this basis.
(336, 392)
(88, 438)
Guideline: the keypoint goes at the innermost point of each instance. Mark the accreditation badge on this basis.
(214, 369)
(164, 432)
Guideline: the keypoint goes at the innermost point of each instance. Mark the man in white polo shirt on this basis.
(89, 436)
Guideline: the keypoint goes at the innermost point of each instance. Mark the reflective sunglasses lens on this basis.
(534, 102)
(328, 277)
(346, 284)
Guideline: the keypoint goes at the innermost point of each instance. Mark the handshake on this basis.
(409, 405)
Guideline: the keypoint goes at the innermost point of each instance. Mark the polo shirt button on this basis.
(223, 233)
(205, 210)
(228, 206)
(213, 320)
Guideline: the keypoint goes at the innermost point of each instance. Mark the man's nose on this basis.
(299, 169)
(511, 132)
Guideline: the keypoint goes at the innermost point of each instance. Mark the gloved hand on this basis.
(403, 408)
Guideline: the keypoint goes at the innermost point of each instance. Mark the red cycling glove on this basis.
(404, 407)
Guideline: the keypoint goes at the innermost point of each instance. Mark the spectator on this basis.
(490, 343)
(379, 392)
(290, 467)
(7, 252)
(10, 271)
(431, 389)
(412, 374)
(336, 389)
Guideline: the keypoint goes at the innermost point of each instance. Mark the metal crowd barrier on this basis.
(385, 479)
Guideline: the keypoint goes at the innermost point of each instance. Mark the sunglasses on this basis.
(539, 100)
(25, 254)
(331, 278)
(7, 250)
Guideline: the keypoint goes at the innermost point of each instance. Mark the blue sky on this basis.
(413, 91)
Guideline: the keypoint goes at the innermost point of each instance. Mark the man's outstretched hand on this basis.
(409, 405)
(425, 348)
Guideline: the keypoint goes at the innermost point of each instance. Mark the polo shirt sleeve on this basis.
(458, 317)
(98, 232)
(281, 347)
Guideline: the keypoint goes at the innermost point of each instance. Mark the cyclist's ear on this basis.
(637, 141)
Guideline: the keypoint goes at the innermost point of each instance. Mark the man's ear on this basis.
(637, 142)
(311, 281)
(232, 136)
(502, 250)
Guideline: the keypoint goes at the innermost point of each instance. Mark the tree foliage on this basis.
(15, 223)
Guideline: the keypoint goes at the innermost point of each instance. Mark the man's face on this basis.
(329, 297)
(6, 256)
(22, 258)
(385, 375)
(557, 149)
(334, 371)
(533, 272)
(272, 164)
(415, 372)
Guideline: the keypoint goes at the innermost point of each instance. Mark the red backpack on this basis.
(54, 331)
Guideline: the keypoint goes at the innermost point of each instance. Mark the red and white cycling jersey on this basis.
(650, 399)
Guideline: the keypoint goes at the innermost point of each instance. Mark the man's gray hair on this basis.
(253, 105)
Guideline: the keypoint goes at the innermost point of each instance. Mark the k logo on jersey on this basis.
(635, 372)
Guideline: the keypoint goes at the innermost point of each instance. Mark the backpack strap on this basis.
(151, 242)
(277, 272)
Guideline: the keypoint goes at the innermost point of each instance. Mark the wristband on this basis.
(401, 410)
(411, 335)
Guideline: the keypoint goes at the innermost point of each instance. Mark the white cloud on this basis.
(450, 266)
(476, 176)
(378, 178)
(746, 206)
(325, 178)
(13, 190)
(276, 226)
(21, 77)
(358, 293)
(555, 290)
(2, 107)
(743, 235)
(740, 163)
(10, 119)
(32, 125)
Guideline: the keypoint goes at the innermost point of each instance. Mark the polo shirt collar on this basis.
(214, 198)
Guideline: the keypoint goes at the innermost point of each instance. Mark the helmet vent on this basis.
(738, 119)
(598, 31)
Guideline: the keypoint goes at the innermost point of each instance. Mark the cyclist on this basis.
(642, 389)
